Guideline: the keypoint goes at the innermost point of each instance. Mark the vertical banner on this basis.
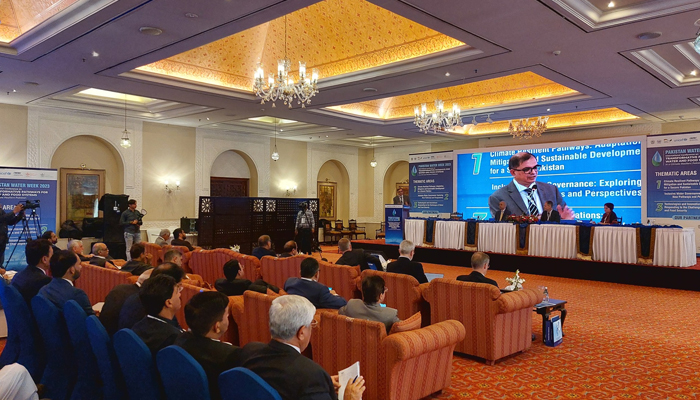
(673, 183)
(36, 189)
(431, 182)
(394, 220)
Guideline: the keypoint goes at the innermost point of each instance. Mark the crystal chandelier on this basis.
(125, 142)
(526, 129)
(282, 86)
(439, 120)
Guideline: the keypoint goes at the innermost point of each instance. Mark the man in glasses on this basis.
(524, 195)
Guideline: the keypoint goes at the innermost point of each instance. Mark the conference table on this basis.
(666, 246)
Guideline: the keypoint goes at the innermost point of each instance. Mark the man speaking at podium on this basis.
(401, 199)
(524, 195)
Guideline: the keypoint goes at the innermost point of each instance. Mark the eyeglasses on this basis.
(314, 323)
(179, 288)
(527, 170)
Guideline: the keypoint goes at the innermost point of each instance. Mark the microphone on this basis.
(534, 187)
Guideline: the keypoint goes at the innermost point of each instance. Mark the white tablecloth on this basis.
(552, 241)
(449, 234)
(675, 247)
(497, 238)
(414, 230)
(615, 244)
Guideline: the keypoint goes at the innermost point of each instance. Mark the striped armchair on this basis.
(497, 325)
(404, 294)
(402, 366)
(188, 291)
(97, 281)
(344, 279)
(276, 271)
(154, 250)
(210, 264)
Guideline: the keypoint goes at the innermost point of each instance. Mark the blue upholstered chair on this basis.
(10, 353)
(112, 378)
(22, 333)
(60, 372)
(182, 376)
(137, 366)
(244, 384)
(87, 383)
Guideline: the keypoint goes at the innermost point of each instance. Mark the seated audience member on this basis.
(405, 265)
(163, 238)
(35, 276)
(65, 270)
(179, 239)
(173, 256)
(16, 383)
(480, 265)
(101, 257)
(308, 286)
(264, 248)
(235, 283)
(356, 257)
(52, 238)
(76, 246)
(109, 316)
(373, 292)
(289, 250)
(207, 316)
(139, 262)
(160, 296)
(503, 213)
(133, 311)
(609, 217)
(280, 363)
(550, 215)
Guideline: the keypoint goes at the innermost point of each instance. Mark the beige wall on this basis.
(235, 164)
(397, 172)
(13, 152)
(334, 171)
(290, 169)
(681, 127)
(365, 183)
(168, 154)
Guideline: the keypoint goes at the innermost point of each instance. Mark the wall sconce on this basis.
(291, 190)
(169, 189)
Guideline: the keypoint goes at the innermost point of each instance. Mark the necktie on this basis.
(532, 205)
(401, 199)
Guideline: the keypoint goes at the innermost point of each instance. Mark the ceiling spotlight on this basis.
(14, 90)
(447, 74)
(611, 4)
(474, 121)
(150, 30)
(548, 109)
(207, 119)
(693, 72)
(488, 119)
(95, 54)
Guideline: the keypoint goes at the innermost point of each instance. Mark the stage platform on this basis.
(631, 274)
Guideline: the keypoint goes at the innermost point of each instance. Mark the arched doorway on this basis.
(233, 174)
(333, 183)
(396, 174)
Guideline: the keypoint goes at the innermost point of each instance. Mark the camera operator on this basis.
(8, 219)
(131, 222)
(304, 228)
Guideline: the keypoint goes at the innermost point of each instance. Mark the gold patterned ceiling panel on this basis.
(335, 36)
(19, 16)
(512, 89)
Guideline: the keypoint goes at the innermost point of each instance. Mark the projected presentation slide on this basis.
(588, 175)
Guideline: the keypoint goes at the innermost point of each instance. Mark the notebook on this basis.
(433, 276)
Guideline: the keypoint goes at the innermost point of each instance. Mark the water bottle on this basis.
(546, 295)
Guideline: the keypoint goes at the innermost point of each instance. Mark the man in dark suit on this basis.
(401, 199)
(65, 269)
(101, 257)
(52, 238)
(550, 215)
(6, 219)
(308, 286)
(35, 276)
(370, 306)
(76, 246)
(502, 213)
(109, 315)
(524, 195)
(140, 261)
(264, 248)
(207, 316)
(160, 296)
(480, 265)
(356, 257)
(405, 265)
(179, 239)
(289, 250)
(235, 283)
(280, 363)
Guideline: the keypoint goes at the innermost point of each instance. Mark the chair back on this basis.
(60, 364)
(255, 321)
(97, 282)
(154, 250)
(107, 364)
(352, 224)
(339, 225)
(276, 271)
(210, 264)
(244, 384)
(86, 386)
(23, 343)
(344, 279)
(182, 376)
(188, 291)
(404, 293)
(326, 226)
(138, 368)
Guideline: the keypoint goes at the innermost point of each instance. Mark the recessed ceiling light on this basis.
(149, 30)
(649, 35)
(14, 90)
(191, 15)
(611, 4)
(95, 54)
(326, 135)
(281, 130)
(369, 89)
(548, 109)
(207, 118)
(693, 72)
(447, 73)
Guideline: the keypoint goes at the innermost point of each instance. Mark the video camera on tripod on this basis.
(31, 205)
(28, 222)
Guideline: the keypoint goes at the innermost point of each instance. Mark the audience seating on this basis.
(86, 386)
(404, 294)
(380, 232)
(210, 264)
(356, 230)
(497, 325)
(97, 281)
(23, 343)
(182, 376)
(407, 366)
(244, 384)
(108, 366)
(276, 271)
(10, 352)
(328, 231)
(188, 291)
(344, 230)
(154, 250)
(60, 371)
(344, 279)
(137, 366)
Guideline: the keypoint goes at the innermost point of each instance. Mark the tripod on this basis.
(26, 231)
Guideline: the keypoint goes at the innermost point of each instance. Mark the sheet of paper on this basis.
(349, 373)
(383, 261)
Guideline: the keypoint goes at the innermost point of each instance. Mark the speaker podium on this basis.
(395, 216)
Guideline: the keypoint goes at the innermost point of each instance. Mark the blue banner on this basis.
(394, 220)
(673, 183)
(430, 182)
(18, 185)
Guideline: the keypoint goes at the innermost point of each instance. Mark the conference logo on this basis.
(393, 212)
(414, 171)
(657, 159)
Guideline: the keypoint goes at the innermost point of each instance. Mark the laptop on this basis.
(433, 276)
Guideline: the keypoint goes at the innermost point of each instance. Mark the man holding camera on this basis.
(131, 222)
(8, 219)
(304, 227)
